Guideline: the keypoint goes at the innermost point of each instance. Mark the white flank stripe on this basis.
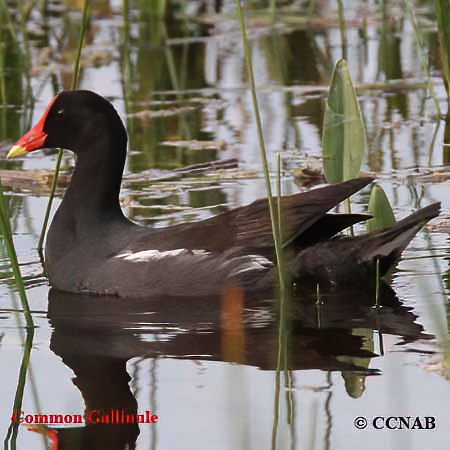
(155, 255)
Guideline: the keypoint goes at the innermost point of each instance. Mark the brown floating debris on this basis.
(39, 181)
(183, 172)
(31, 179)
(308, 176)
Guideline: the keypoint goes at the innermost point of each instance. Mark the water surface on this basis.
(182, 80)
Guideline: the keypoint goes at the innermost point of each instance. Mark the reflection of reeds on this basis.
(13, 429)
(275, 217)
(3, 99)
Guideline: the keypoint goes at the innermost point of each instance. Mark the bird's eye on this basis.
(60, 114)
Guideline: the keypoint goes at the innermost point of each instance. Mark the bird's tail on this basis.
(387, 245)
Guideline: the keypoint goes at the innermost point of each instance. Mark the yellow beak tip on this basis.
(16, 151)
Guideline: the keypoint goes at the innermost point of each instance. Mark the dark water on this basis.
(182, 81)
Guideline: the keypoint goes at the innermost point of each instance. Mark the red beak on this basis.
(33, 140)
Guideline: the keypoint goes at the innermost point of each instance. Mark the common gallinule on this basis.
(92, 247)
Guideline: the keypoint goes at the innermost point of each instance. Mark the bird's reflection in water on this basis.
(96, 335)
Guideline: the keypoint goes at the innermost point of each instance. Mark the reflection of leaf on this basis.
(355, 382)
(380, 209)
(344, 136)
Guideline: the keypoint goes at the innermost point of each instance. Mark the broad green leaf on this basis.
(380, 209)
(344, 135)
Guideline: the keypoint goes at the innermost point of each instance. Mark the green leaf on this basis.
(344, 135)
(380, 209)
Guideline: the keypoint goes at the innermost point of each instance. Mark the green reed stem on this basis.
(282, 356)
(432, 142)
(76, 67)
(2, 87)
(262, 147)
(26, 11)
(377, 285)
(275, 219)
(422, 52)
(76, 74)
(5, 230)
(5, 11)
(282, 341)
(273, 10)
(126, 71)
(17, 30)
(49, 205)
(342, 29)
(279, 209)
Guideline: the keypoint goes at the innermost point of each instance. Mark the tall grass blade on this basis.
(344, 136)
(262, 146)
(76, 66)
(282, 328)
(274, 218)
(76, 73)
(49, 206)
(6, 232)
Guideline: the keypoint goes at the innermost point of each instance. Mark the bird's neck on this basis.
(93, 193)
